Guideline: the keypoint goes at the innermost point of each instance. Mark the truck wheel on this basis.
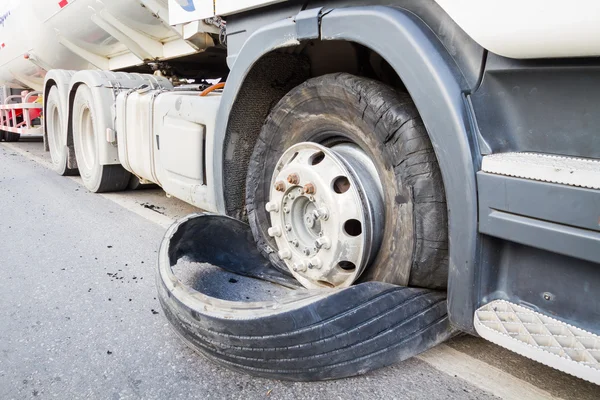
(96, 178)
(11, 137)
(55, 131)
(376, 131)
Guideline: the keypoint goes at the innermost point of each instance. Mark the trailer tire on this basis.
(11, 137)
(96, 177)
(386, 125)
(55, 132)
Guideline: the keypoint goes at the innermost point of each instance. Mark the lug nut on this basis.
(293, 179)
(323, 243)
(300, 266)
(286, 210)
(321, 213)
(310, 188)
(274, 231)
(285, 254)
(315, 263)
(280, 186)
(272, 206)
(288, 227)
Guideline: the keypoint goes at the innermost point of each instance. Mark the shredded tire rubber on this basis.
(299, 334)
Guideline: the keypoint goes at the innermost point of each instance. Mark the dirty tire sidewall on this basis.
(55, 131)
(96, 178)
(11, 136)
(386, 125)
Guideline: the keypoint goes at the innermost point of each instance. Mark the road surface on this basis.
(79, 316)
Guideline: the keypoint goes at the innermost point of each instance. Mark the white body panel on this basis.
(182, 11)
(113, 34)
(163, 138)
(83, 34)
(511, 28)
(531, 28)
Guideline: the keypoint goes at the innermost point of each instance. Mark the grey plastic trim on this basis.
(562, 239)
(562, 204)
(270, 37)
(433, 81)
(436, 86)
(307, 24)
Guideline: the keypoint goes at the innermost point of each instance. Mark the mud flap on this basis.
(228, 303)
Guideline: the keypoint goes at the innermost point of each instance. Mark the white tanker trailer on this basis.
(410, 168)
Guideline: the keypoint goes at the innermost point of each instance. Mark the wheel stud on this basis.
(285, 254)
(293, 179)
(274, 231)
(280, 186)
(310, 188)
(321, 213)
(272, 206)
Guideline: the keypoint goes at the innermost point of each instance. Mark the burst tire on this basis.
(308, 335)
(386, 125)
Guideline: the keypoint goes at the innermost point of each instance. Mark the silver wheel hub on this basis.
(326, 209)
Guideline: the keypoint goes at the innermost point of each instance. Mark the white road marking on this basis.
(478, 373)
(443, 358)
(127, 200)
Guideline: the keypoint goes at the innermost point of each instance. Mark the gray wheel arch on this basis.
(436, 86)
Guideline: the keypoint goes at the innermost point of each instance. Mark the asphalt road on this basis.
(79, 316)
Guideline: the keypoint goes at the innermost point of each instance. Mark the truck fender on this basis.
(436, 86)
(105, 86)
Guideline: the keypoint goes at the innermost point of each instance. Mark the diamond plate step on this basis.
(571, 171)
(541, 338)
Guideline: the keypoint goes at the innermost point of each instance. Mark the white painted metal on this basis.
(38, 35)
(325, 206)
(540, 338)
(532, 28)
(8, 118)
(164, 137)
(228, 7)
(182, 11)
(136, 134)
(545, 167)
(185, 124)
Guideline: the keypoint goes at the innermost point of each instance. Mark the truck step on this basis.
(545, 167)
(541, 338)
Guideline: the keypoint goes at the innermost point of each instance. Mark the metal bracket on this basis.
(308, 24)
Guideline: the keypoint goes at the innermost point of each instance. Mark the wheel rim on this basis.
(86, 134)
(54, 142)
(327, 213)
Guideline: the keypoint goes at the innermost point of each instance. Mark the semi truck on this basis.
(395, 171)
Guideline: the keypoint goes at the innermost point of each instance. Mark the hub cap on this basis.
(326, 209)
